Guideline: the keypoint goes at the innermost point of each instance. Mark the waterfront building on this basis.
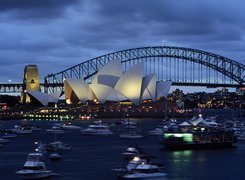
(112, 84)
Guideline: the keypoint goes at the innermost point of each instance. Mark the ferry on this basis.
(201, 138)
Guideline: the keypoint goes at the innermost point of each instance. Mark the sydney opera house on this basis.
(110, 84)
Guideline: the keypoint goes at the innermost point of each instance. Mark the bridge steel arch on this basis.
(183, 66)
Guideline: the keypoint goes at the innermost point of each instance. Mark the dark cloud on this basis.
(35, 9)
(57, 34)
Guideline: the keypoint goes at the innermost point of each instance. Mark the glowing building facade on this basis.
(30, 82)
(111, 84)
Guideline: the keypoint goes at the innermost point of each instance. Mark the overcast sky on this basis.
(58, 34)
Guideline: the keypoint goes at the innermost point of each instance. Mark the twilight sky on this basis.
(58, 34)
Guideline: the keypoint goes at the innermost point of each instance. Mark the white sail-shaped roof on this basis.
(54, 97)
(112, 68)
(101, 91)
(148, 89)
(91, 95)
(162, 89)
(107, 80)
(45, 98)
(79, 87)
(116, 96)
(41, 97)
(130, 83)
(67, 90)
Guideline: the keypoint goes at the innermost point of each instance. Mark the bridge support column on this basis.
(30, 82)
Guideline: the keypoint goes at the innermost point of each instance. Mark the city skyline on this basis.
(66, 33)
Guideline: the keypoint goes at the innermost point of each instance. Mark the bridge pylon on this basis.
(31, 82)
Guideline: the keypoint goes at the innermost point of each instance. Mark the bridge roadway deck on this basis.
(17, 87)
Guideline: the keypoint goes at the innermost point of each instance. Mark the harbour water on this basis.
(93, 157)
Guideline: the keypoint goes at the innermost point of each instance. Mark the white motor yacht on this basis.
(21, 129)
(69, 126)
(132, 151)
(34, 168)
(57, 126)
(156, 132)
(135, 162)
(97, 129)
(145, 171)
(58, 146)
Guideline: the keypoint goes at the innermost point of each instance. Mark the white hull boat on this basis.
(21, 130)
(145, 176)
(145, 171)
(156, 132)
(58, 146)
(34, 168)
(71, 127)
(97, 130)
(34, 174)
(55, 156)
(132, 151)
(9, 135)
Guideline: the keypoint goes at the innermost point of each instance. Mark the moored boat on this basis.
(9, 135)
(97, 129)
(34, 168)
(145, 171)
(199, 139)
(55, 156)
(132, 151)
(58, 146)
(69, 126)
(4, 140)
(21, 129)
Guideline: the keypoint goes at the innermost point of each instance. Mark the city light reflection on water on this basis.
(182, 161)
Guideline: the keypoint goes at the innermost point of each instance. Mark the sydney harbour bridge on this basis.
(183, 66)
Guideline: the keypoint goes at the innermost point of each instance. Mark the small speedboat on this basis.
(97, 129)
(9, 135)
(145, 171)
(55, 156)
(21, 129)
(4, 140)
(57, 146)
(132, 151)
(70, 127)
(34, 168)
(156, 132)
(57, 126)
